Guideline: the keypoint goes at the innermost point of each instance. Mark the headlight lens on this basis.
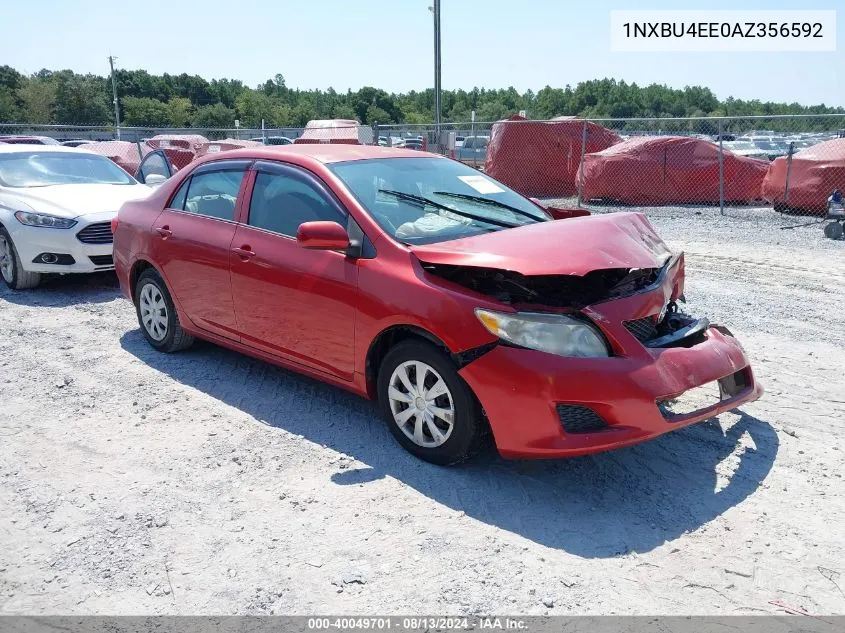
(552, 333)
(43, 220)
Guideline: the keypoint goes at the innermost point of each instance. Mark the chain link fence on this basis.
(777, 168)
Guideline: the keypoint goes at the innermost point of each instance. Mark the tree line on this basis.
(66, 97)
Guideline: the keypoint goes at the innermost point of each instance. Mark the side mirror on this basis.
(322, 235)
(154, 179)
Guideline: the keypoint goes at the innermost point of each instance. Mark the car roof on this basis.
(41, 149)
(325, 153)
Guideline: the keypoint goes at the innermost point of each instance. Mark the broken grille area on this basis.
(643, 329)
(577, 418)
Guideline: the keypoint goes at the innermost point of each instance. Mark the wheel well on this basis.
(387, 339)
(138, 268)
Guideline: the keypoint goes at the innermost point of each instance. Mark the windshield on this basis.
(53, 168)
(427, 200)
(475, 142)
(740, 145)
(771, 145)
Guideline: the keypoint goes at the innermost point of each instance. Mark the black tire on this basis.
(175, 338)
(21, 279)
(469, 429)
(833, 230)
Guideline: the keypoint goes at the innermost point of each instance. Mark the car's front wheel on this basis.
(157, 314)
(11, 268)
(427, 406)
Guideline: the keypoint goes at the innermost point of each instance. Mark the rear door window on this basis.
(214, 194)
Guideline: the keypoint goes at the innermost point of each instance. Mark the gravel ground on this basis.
(206, 482)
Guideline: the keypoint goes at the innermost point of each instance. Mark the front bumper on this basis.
(31, 242)
(520, 391)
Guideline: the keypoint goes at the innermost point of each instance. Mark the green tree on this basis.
(37, 97)
(80, 99)
(376, 115)
(180, 110)
(145, 111)
(253, 106)
(217, 115)
(8, 105)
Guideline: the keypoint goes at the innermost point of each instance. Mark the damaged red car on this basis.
(465, 309)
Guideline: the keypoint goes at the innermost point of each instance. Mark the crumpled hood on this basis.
(70, 201)
(573, 246)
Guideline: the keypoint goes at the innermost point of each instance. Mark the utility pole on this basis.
(114, 97)
(436, 11)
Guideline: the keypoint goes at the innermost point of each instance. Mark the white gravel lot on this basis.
(133, 482)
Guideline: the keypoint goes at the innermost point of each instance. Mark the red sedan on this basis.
(464, 308)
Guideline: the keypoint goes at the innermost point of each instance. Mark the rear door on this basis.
(290, 301)
(192, 238)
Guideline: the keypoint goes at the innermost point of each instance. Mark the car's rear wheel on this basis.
(157, 314)
(833, 230)
(427, 406)
(11, 268)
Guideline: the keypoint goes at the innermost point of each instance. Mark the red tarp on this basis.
(182, 141)
(541, 158)
(213, 147)
(126, 154)
(343, 131)
(656, 170)
(180, 149)
(814, 174)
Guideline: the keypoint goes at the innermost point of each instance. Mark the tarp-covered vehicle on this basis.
(342, 131)
(126, 154)
(180, 149)
(224, 145)
(660, 170)
(541, 158)
(147, 165)
(814, 173)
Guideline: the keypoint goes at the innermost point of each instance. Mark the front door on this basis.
(290, 301)
(192, 238)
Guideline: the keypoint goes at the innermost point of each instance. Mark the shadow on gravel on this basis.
(60, 291)
(605, 505)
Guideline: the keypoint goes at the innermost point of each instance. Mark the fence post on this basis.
(375, 132)
(788, 169)
(263, 133)
(721, 170)
(581, 165)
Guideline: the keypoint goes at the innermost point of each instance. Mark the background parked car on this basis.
(473, 150)
(410, 143)
(29, 140)
(745, 148)
(56, 207)
(76, 142)
(273, 140)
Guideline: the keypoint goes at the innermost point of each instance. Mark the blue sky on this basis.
(389, 43)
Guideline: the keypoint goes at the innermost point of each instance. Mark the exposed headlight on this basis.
(43, 220)
(552, 333)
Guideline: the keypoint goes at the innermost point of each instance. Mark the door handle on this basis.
(164, 231)
(243, 252)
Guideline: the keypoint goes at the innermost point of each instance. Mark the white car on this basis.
(56, 207)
